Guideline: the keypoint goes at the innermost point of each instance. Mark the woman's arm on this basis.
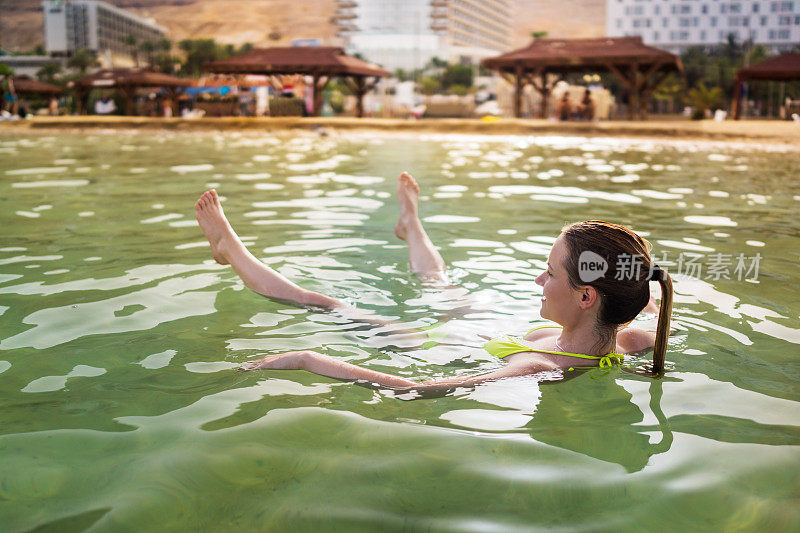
(335, 368)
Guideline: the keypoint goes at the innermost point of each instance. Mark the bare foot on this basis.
(407, 196)
(218, 231)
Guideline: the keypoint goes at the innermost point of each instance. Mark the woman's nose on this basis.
(540, 279)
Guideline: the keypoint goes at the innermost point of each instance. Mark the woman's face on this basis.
(560, 299)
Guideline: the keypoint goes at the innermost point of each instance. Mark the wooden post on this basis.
(633, 103)
(320, 82)
(360, 90)
(128, 93)
(316, 104)
(737, 100)
(518, 92)
(80, 100)
(545, 91)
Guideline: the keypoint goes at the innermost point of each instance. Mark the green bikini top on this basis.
(505, 346)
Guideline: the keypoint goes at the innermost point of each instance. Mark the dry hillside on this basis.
(559, 18)
(229, 21)
(240, 21)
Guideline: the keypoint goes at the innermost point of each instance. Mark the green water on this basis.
(120, 409)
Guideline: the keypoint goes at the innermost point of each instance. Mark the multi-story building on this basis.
(407, 34)
(98, 27)
(677, 24)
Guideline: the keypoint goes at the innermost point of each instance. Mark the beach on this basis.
(760, 131)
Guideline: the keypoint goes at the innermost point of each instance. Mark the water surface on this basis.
(120, 408)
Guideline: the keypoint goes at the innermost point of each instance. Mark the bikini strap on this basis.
(605, 360)
(542, 327)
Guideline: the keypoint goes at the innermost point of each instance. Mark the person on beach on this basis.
(10, 98)
(586, 108)
(565, 108)
(592, 310)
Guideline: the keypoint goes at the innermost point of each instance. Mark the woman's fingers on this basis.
(250, 365)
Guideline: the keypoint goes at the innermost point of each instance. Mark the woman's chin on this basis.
(543, 311)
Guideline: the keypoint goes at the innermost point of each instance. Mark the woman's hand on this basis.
(279, 361)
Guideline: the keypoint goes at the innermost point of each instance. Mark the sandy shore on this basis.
(762, 131)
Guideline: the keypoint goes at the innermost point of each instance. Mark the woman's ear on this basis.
(588, 297)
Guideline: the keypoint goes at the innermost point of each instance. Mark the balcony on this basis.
(439, 3)
(344, 15)
(347, 28)
(439, 25)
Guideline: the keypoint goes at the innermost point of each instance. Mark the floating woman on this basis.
(597, 281)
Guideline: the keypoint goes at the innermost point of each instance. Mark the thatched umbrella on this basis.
(784, 67)
(27, 85)
(320, 62)
(640, 67)
(127, 81)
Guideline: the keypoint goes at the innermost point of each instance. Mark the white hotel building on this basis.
(408, 33)
(675, 25)
(99, 27)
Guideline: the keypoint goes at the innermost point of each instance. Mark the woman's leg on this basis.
(227, 249)
(424, 258)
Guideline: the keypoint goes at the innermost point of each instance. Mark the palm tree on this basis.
(82, 60)
(164, 45)
(702, 99)
(149, 49)
(130, 41)
(668, 90)
(48, 72)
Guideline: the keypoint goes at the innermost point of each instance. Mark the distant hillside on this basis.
(559, 18)
(228, 21)
(240, 21)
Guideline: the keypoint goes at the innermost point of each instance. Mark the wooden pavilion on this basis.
(784, 67)
(127, 81)
(544, 62)
(24, 85)
(320, 62)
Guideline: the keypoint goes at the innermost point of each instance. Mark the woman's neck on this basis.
(584, 339)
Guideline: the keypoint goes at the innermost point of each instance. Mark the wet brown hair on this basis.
(624, 289)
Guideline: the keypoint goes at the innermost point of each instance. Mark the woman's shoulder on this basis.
(542, 332)
(632, 340)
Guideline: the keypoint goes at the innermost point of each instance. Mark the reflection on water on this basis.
(119, 336)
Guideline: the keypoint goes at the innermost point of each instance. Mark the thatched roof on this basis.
(26, 85)
(129, 77)
(583, 54)
(783, 67)
(320, 60)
